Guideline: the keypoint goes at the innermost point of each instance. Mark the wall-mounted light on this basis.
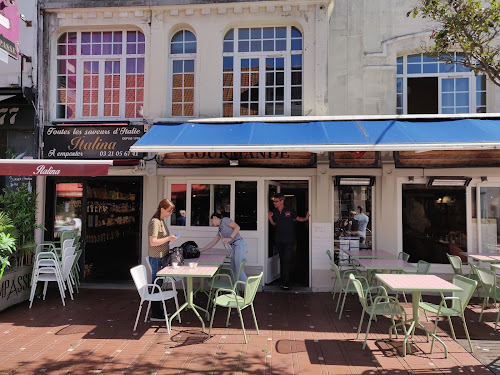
(484, 179)
(234, 163)
(449, 181)
(354, 181)
(411, 178)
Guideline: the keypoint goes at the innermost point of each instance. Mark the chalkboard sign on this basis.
(15, 182)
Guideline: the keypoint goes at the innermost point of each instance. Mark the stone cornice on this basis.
(109, 9)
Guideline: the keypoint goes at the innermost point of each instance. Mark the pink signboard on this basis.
(9, 28)
(36, 168)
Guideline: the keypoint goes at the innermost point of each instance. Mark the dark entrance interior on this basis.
(434, 222)
(107, 213)
(297, 197)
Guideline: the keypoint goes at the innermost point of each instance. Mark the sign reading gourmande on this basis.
(91, 141)
(245, 159)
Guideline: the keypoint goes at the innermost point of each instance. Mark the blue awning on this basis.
(318, 136)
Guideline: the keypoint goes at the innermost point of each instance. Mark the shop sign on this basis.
(9, 28)
(15, 182)
(354, 159)
(241, 159)
(39, 168)
(447, 159)
(15, 286)
(16, 114)
(91, 141)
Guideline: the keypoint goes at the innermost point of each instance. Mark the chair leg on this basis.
(498, 316)
(360, 323)
(467, 332)
(485, 301)
(211, 320)
(451, 327)
(434, 332)
(343, 303)
(242, 324)
(333, 288)
(228, 314)
(209, 299)
(177, 307)
(255, 319)
(367, 331)
(147, 312)
(166, 315)
(138, 314)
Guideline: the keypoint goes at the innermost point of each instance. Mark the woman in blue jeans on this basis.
(229, 232)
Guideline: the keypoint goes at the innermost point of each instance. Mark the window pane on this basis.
(462, 84)
(207, 199)
(178, 198)
(246, 204)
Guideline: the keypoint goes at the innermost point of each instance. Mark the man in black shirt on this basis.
(283, 218)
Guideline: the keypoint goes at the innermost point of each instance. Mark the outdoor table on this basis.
(385, 265)
(373, 254)
(188, 272)
(416, 284)
(482, 257)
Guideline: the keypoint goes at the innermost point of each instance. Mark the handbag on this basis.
(176, 256)
(165, 260)
(190, 250)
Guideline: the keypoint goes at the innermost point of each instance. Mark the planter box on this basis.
(15, 286)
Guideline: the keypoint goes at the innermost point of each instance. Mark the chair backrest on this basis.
(242, 265)
(336, 270)
(468, 286)
(44, 247)
(68, 243)
(67, 265)
(359, 290)
(329, 253)
(140, 279)
(456, 263)
(70, 250)
(487, 278)
(404, 256)
(251, 287)
(423, 267)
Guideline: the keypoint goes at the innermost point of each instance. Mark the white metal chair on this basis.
(140, 276)
(48, 269)
(175, 278)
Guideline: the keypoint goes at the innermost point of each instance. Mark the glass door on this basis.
(68, 211)
(489, 212)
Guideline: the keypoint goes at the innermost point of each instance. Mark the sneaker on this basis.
(285, 287)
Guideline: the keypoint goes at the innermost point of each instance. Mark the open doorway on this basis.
(296, 197)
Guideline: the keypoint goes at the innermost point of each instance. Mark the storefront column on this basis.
(387, 213)
(151, 193)
(40, 200)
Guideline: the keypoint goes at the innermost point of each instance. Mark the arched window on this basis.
(262, 72)
(100, 74)
(183, 53)
(426, 85)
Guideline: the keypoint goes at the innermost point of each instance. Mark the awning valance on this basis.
(318, 136)
(54, 168)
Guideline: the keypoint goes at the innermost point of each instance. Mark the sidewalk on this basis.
(300, 333)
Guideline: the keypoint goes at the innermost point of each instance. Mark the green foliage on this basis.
(469, 26)
(21, 207)
(7, 243)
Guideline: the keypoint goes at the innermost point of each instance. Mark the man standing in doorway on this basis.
(362, 220)
(283, 218)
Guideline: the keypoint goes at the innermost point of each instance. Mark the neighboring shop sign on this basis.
(9, 28)
(354, 159)
(240, 159)
(15, 182)
(447, 159)
(91, 141)
(37, 167)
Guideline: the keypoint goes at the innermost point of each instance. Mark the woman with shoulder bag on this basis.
(159, 240)
(229, 232)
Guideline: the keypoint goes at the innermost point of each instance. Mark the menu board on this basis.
(322, 240)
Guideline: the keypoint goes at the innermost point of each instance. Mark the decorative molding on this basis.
(379, 67)
(287, 8)
(205, 11)
(238, 10)
(123, 14)
(385, 43)
(174, 12)
(108, 15)
(222, 10)
(303, 7)
(77, 16)
(139, 13)
(254, 9)
(92, 15)
(270, 9)
(189, 12)
(61, 15)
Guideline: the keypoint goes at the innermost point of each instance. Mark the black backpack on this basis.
(190, 250)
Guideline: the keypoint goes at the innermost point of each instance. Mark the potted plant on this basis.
(7, 243)
(20, 206)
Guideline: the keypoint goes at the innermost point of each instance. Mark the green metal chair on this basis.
(342, 276)
(382, 305)
(459, 301)
(488, 280)
(404, 256)
(456, 264)
(229, 298)
(223, 280)
(345, 272)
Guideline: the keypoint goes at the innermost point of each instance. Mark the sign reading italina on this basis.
(245, 159)
(111, 141)
(38, 167)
